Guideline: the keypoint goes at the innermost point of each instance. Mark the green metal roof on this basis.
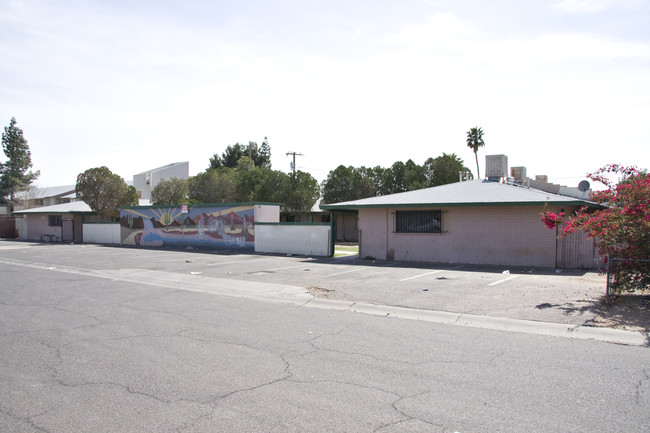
(470, 193)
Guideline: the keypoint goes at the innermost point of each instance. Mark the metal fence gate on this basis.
(577, 251)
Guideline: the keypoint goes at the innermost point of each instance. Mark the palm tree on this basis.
(474, 141)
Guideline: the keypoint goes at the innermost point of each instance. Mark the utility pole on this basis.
(293, 164)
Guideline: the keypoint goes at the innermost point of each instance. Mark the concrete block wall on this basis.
(102, 233)
(495, 235)
(293, 238)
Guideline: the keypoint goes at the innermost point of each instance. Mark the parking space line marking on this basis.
(345, 272)
(505, 279)
(423, 275)
(288, 267)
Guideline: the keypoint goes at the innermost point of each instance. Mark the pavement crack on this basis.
(29, 420)
(640, 386)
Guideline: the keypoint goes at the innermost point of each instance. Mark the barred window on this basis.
(419, 221)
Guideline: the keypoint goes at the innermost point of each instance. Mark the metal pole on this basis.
(609, 264)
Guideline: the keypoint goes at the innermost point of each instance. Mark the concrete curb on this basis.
(618, 336)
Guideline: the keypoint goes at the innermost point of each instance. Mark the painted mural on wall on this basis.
(197, 226)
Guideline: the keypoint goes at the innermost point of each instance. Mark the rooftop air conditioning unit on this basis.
(496, 167)
(519, 173)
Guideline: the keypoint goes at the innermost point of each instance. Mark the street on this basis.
(86, 352)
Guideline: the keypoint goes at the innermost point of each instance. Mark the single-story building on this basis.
(57, 223)
(475, 222)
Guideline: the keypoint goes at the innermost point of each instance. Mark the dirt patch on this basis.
(629, 312)
(320, 292)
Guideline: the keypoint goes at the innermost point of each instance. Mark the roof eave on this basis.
(332, 207)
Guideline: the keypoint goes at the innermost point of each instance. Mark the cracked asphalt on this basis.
(84, 350)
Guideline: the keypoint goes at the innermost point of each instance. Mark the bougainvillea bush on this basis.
(622, 226)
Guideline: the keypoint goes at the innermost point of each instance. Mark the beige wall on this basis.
(495, 235)
(293, 238)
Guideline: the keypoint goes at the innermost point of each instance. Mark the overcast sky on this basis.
(561, 87)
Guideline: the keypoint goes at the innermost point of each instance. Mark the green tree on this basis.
(444, 169)
(170, 192)
(338, 185)
(414, 176)
(246, 182)
(302, 193)
(371, 181)
(105, 192)
(395, 179)
(14, 173)
(260, 155)
(474, 141)
(272, 186)
(131, 197)
(350, 183)
(212, 186)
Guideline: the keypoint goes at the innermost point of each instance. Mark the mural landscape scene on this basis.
(196, 226)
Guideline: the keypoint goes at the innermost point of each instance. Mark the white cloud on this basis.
(438, 29)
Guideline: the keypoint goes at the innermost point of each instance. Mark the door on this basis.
(67, 230)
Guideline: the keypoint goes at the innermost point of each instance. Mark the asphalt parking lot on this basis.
(547, 295)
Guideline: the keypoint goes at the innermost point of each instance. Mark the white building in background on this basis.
(146, 181)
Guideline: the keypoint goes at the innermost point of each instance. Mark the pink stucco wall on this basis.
(36, 226)
(495, 235)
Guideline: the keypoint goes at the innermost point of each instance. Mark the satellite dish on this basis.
(584, 186)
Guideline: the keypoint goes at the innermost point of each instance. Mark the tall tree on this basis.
(272, 186)
(444, 169)
(170, 192)
(395, 178)
(474, 141)
(105, 192)
(14, 173)
(302, 193)
(212, 186)
(260, 155)
(414, 176)
(350, 183)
